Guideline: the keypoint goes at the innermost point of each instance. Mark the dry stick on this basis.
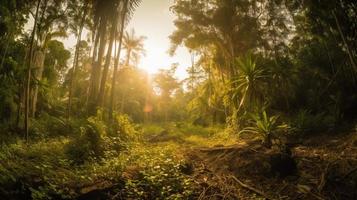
(251, 188)
(317, 196)
(323, 178)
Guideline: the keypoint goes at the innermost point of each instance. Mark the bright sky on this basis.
(154, 20)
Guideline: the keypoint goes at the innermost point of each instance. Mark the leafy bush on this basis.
(49, 126)
(124, 127)
(89, 143)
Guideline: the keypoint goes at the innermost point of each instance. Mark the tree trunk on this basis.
(106, 65)
(38, 63)
(5, 52)
(28, 78)
(94, 54)
(75, 61)
(116, 64)
(127, 62)
(350, 56)
(95, 79)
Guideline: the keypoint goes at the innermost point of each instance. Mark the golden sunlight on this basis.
(154, 20)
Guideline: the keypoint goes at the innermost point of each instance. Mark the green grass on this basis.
(45, 169)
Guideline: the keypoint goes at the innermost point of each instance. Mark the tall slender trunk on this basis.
(100, 97)
(21, 91)
(116, 64)
(39, 60)
(350, 56)
(122, 102)
(128, 54)
(75, 61)
(96, 73)
(94, 57)
(5, 51)
(28, 78)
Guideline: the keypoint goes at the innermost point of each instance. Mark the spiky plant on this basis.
(266, 127)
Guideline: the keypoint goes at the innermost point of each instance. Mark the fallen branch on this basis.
(224, 148)
(251, 188)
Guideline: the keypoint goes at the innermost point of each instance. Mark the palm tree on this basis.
(106, 14)
(117, 52)
(134, 46)
(249, 83)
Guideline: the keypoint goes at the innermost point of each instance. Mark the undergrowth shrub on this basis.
(304, 122)
(88, 143)
(97, 138)
(161, 176)
(28, 171)
(266, 127)
(49, 126)
(124, 127)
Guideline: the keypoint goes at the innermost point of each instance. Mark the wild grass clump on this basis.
(190, 129)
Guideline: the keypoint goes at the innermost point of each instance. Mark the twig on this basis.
(323, 178)
(251, 188)
(317, 196)
(283, 188)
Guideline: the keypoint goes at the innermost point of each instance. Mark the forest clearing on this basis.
(178, 99)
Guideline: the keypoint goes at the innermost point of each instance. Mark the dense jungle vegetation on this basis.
(267, 111)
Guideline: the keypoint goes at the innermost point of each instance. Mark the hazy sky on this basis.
(154, 20)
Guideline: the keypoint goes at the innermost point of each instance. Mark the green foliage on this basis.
(266, 127)
(160, 176)
(188, 128)
(124, 127)
(164, 181)
(33, 167)
(248, 86)
(49, 126)
(304, 122)
(89, 141)
(295, 58)
(85, 146)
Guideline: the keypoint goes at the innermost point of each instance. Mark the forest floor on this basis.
(179, 161)
(240, 168)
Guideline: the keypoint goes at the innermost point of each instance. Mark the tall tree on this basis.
(134, 46)
(28, 78)
(123, 16)
(52, 24)
(107, 63)
(78, 25)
